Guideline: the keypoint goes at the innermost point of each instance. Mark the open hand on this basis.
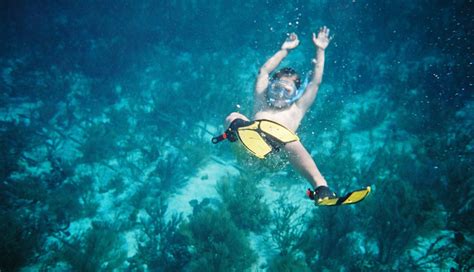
(290, 42)
(322, 40)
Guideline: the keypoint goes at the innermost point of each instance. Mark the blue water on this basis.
(107, 109)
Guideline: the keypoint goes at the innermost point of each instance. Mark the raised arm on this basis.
(272, 63)
(321, 41)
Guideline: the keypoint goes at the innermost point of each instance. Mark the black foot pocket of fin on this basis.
(231, 132)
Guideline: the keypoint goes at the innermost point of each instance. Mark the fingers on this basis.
(324, 30)
(293, 36)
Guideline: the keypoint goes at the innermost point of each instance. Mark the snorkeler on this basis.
(280, 103)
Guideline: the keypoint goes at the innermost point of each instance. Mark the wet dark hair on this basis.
(289, 72)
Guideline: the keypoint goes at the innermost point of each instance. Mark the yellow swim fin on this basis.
(262, 137)
(278, 131)
(254, 143)
(350, 198)
(259, 137)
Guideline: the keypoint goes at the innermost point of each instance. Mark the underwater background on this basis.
(107, 109)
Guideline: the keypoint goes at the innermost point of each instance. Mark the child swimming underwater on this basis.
(280, 103)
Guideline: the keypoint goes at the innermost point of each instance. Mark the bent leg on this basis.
(234, 115)
(304, 163)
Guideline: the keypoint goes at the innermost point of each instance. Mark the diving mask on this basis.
(282, 93)
(281, 89)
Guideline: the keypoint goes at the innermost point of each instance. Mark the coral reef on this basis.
(287, 234)
(99, 144)
(392, 223)
(14, 139)
(100, 248)
(244, 201)
(106, 112)
(328, 241)
(162, 246)
(22, 236)
(217, 247)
